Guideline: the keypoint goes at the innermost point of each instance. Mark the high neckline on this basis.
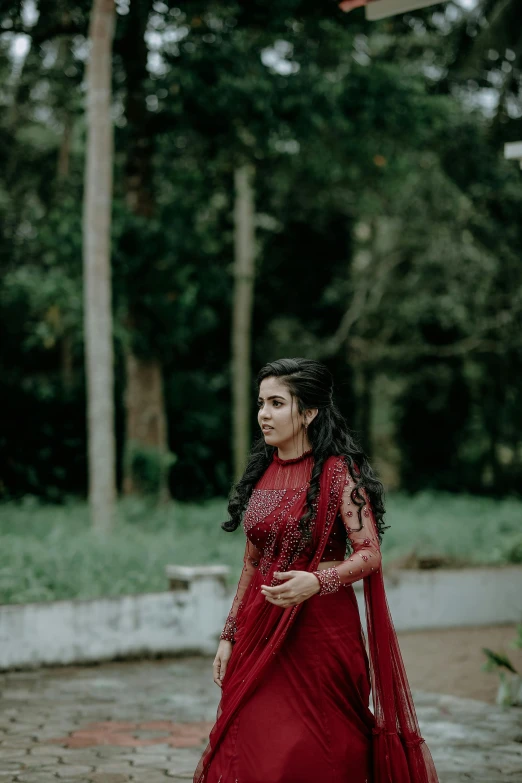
(292, 460)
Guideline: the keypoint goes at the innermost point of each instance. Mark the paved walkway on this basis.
(148, 722)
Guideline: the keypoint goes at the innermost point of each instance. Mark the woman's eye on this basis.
(276, 403)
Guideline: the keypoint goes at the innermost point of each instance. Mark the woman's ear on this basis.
(310, 415)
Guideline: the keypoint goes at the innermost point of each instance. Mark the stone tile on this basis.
(39, 762)
(78, 757)
(151, 760)
(104, 777)
(10, 766)
(49, 751)
(127, 724)
(73, 780)
(152, 750)
(108, 752)
(117, 766)
(7, 752)
(17, 742)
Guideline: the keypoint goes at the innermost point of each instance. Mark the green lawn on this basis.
(49, 552)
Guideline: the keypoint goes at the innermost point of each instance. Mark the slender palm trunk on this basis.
(97, 270)
(244, 271)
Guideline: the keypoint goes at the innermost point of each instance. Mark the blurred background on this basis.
(288, 180)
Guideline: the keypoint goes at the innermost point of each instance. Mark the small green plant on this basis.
(148, 468)
(510, 688)
(513, 550)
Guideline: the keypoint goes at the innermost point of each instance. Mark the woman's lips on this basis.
(266, 428)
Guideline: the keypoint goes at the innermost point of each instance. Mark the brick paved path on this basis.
(148, 722)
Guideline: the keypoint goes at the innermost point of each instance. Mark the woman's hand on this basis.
(219, 667)
(297, 587)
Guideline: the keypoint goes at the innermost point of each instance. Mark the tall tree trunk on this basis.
(146, 430)
(243, 297)
(146, 418)
(97, 272)
(146, 427)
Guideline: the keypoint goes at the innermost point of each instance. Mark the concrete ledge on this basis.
(190, 617)
(182, 577)
(450, 598)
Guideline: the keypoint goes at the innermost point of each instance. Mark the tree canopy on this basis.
(388, 227)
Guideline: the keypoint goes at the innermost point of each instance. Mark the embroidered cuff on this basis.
(329, 580)
(229, 631)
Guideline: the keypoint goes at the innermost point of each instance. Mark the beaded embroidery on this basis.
(229, 631)
(269, 554)
(262, 503)
(329, 580)
(349, 571)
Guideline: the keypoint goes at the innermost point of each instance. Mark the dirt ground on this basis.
(450, 661)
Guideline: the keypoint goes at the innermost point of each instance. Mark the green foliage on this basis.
(383, 203)
(513, 549)
(497, 661)
(458, 527)
(510, 688)
(50, 552)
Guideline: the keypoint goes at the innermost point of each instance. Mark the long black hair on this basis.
(311, 384)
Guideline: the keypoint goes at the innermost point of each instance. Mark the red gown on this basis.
(295, 699)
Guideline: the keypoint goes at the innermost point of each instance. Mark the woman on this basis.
(292, 663)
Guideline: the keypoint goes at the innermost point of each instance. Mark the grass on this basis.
(49, 553)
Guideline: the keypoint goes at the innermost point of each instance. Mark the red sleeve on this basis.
(251, 560)
(365, 557)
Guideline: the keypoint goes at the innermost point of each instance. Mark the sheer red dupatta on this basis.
(399, 753)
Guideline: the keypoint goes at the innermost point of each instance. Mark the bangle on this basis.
(329, 580)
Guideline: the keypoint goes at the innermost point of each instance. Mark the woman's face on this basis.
(279, 417)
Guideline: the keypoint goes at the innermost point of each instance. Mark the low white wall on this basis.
(449, 598)
(190, 617)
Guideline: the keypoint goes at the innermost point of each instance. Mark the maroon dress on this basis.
(295, 699)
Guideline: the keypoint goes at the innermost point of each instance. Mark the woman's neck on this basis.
(292, 451)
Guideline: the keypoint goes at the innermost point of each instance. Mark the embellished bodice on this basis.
(279, 493)
(273, 535)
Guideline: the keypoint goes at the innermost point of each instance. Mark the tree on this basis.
(147, 455)
(97, 267)
(387, 232)
(243, 296)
